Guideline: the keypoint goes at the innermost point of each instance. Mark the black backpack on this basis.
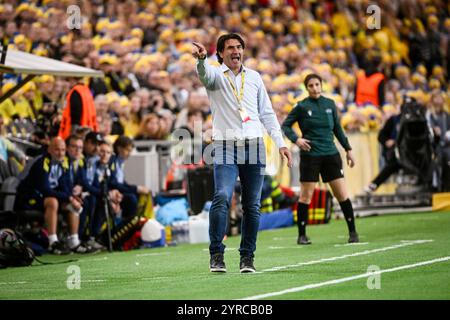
(14, 252)
(415, 150)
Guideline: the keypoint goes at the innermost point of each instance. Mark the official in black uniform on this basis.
(318, 120)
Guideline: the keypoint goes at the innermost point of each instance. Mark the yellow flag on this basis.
(145, 206)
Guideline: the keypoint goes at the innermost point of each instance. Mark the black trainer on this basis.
(303, 240)
(84, 248)
(95, 244)
(246, 265)
(216, 263)
(58, 248)
(353, 238)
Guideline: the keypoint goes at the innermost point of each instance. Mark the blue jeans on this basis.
(231, 161)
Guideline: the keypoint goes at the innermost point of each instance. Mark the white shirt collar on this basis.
(224, 68)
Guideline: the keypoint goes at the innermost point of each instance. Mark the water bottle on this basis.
(175, 233)
(185, 227)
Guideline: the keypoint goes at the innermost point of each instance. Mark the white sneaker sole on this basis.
(248, 270)
(221, 270)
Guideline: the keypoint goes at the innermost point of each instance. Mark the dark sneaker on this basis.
(303, 240)
(246, 265)
(216, 263)
(83, 248)
(96, 245)
(370, 189)
(58, 248)
(353, 238)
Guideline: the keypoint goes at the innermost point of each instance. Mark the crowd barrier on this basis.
(149, 163)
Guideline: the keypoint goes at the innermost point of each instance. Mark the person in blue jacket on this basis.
(106, 186)
(47, 188)
(123, 146)
(82, 188)
(91, 185)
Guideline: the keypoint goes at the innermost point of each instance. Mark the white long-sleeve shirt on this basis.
(227, 122)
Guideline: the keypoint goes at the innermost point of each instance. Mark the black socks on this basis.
(302, 218)
(347, 209)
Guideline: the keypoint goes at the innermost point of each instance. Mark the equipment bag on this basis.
(321, 207)
(122, 232)
(14, 252)
(200, 187)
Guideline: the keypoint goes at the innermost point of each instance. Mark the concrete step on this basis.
(370, 212)
(379, 204)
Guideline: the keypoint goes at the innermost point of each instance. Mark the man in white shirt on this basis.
(240, 107)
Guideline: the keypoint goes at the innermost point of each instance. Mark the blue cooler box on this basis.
(278, 219)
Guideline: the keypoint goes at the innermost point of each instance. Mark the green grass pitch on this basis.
(405, 248)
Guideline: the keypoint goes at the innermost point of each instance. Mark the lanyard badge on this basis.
(244, 115)
(239, 97)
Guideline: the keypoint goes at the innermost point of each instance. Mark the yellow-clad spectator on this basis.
(7, 107)
(22, 43)
(341, 24)
(25, 102)
(44, 92)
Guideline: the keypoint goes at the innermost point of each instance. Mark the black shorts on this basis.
(25, 202)
(329, 167)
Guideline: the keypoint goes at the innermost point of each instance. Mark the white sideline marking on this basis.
(341, 280)
(95, 259)
(351, 244)
(155, 278)
(345, 256)
(9, 283)
(277, 248)
(93, 280)
(345, 237)
(152, 254)
(226, 249)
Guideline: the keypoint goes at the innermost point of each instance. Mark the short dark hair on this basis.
(94, 137)
(103, 142)
(73, 137)
(310, 77)
(122, 142)
(221, 43)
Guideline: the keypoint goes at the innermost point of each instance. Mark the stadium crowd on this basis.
(150, 84)
(151, 87)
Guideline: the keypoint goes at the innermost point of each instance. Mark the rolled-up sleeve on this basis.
(206, 73)
(268, 117)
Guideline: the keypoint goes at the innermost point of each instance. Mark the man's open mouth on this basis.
(235, 58)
